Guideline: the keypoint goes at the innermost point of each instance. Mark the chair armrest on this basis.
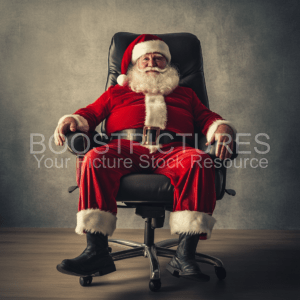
(79, 143)
(211, 149)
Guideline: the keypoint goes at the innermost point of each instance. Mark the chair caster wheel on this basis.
(85, 281)
(154, 285)
(220, 272)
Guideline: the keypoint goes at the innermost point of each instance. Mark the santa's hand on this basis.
(68, 124)
(224, 135)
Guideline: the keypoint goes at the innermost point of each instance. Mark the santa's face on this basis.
(152, 75)
(152, 63)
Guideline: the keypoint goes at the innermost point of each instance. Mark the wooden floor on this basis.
(260, 265)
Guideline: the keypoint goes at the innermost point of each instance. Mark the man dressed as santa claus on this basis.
(147, 115)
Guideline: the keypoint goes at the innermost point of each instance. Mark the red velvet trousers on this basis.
(191, 173)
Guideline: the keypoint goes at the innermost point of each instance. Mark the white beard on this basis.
(163, 83)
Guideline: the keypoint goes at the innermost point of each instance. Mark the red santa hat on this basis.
(143, 44)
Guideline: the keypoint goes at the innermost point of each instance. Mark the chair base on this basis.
(153, 250)
(161, 249)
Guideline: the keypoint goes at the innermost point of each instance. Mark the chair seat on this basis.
(146, 188)
(154, 188)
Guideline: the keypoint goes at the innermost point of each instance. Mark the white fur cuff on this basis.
(96, 220)
(82, 123)
(191, 222)
(213, 127)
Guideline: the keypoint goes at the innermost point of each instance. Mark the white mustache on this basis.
(153, 69)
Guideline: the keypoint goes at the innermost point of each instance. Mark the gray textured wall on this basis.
(53, 60)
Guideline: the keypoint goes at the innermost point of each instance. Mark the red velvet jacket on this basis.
(125, 109)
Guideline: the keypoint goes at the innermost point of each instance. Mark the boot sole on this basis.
(192, 276)
(94, 273)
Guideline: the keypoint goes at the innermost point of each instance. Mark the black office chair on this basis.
(150, 194)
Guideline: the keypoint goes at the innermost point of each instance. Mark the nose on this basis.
(151, 62)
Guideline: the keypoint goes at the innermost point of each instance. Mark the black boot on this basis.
(94, 260)
(183, 263)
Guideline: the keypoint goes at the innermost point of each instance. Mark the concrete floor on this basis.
(260, 264)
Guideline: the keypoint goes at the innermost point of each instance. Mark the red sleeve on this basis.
(96, 112)
(202, 115)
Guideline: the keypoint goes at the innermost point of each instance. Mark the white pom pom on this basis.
(122, 79)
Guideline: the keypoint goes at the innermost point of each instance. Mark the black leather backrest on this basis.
(186, 55)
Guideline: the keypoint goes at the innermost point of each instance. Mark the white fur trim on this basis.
(150, 47)
(156, 111)
(152, 148)
(156, 115)
(82, 123)
(213, 127)
(122, 79)
(191, 222)
(96, 220)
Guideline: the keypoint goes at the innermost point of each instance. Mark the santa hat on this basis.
(143, 44)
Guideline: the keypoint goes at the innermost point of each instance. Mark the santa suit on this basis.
(103, 167)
